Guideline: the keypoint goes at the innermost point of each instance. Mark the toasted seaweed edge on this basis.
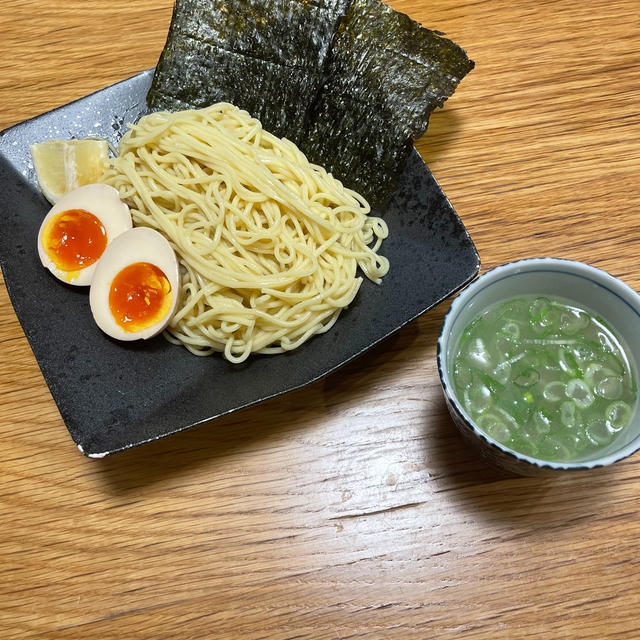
(364, 177)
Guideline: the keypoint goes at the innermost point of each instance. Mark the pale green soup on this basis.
(545, 378)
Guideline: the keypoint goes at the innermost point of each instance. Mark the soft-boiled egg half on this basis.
(135, 287)
(77, 230)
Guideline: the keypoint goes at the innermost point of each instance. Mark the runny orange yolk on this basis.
(74, 239)
(140, 296)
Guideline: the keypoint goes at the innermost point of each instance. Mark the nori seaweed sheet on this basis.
(263, 56)
(351, 82)
(287, 33)
(400, 67)
(389, 82)
(376, 159)
(216, 75)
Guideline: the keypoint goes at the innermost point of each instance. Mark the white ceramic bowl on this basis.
(583, 284)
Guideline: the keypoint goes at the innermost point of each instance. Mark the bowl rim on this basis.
(600, 277)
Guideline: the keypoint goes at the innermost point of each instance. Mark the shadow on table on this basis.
(444, 126)
(181, 453)
(496, 495)
(455, 469)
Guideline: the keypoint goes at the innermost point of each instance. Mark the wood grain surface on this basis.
(351, 508)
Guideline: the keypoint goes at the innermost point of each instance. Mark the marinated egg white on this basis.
(135, 287)
(77, 230)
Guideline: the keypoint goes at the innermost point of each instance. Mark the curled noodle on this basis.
(269, 244)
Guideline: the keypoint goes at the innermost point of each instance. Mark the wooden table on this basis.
(350, 508)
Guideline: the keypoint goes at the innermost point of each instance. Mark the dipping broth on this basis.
(545, 378)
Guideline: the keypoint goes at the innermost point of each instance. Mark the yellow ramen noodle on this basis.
(269, 244)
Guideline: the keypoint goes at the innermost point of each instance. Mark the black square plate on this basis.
(117, 395)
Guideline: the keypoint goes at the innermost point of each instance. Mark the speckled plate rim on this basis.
(456, 266)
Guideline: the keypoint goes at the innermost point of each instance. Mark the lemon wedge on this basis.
(64, 165)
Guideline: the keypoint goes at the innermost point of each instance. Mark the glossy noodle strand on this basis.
(269, 244)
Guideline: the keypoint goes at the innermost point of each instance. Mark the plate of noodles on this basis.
(321, 300)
